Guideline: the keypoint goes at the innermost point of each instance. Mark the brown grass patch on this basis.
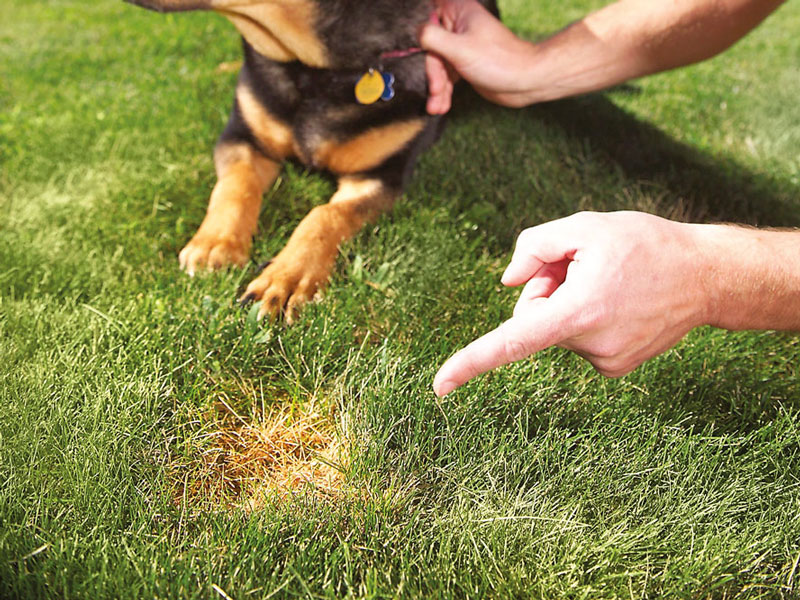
(241, 463)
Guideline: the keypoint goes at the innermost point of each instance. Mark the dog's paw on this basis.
(285, 285)
(214, 252)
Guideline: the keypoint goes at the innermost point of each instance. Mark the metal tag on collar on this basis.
(374, 85)
(388, 92)
(370, 87)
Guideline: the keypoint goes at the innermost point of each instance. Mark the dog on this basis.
(338, 85)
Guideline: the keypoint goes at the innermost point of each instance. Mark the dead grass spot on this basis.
(242, 463)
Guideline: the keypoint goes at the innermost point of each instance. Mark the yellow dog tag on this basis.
(370, 87)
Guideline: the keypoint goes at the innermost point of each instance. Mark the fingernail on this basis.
(444, 388)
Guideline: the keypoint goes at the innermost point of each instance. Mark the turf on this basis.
(539, 480)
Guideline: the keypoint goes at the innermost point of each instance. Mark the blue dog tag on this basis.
(388, 92)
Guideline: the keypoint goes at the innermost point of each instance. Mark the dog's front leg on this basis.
(304, 265)
(226, 233)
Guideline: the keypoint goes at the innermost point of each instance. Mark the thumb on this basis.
(450, 46)
(546, 325)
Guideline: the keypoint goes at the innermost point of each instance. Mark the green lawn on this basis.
(127, 389)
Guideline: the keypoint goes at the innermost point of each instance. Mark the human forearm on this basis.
(752, 276)
(633, 38)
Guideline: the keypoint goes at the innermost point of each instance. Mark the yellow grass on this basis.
(240, 463)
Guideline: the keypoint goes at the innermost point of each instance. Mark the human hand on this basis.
(616, 288)
(470, 42)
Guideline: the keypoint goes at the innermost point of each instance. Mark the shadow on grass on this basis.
(709, 188)
(716, 189)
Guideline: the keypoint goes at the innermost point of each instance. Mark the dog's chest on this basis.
(313, 115)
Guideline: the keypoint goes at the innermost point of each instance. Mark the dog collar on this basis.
(402, 53)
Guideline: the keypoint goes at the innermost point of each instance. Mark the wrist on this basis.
(577, 61)
(535, 82)
(711, 245)
(521, 77)
(693, 258)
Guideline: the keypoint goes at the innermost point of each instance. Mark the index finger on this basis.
(547, 325)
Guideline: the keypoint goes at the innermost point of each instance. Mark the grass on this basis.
(124, 381)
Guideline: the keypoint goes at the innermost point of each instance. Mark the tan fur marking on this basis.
(227, 156)
(225, 235)
(275, 136)
(282, 31)
(354, 188)
(259, 38)
(302, 268)
(367, 150)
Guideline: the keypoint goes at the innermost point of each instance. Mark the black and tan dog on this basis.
(336, 84)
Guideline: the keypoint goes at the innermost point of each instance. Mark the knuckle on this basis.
(525, 237)
(613, 368)
(586, 218)
(524, 240)
(471, 364)
(514, 348)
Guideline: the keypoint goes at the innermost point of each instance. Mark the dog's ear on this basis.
(172, 5)
(282, 30)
